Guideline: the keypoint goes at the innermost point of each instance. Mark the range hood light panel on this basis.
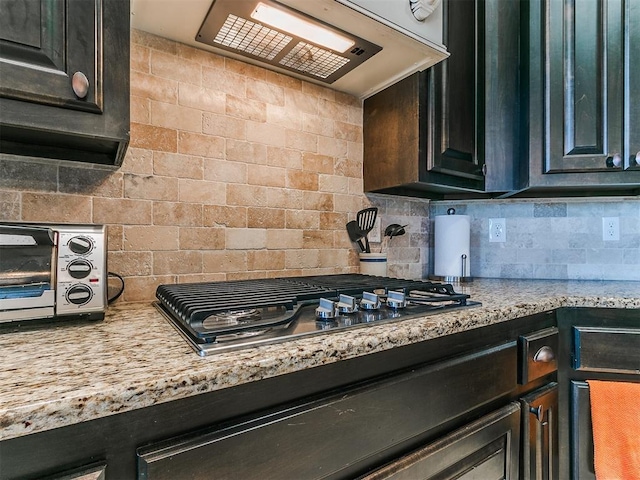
(296, 26)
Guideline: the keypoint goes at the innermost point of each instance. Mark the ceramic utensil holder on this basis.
(373, 264)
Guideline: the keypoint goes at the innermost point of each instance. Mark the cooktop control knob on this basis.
(79, 294)
(369, 301)
(80, 245)
(327, 310)
(79, 268)
(347, 305)
(396, 300)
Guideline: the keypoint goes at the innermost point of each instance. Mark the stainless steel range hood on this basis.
(387, 42)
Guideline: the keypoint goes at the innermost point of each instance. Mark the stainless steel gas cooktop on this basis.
(224, 316)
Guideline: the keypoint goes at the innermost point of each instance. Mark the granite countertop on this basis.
(54, 377)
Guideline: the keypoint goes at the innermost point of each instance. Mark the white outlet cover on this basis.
(611, 229)
(375, 234)
(498, 230)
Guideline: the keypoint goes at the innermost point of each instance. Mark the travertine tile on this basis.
(151, 237)
(176, 117)
(201, 145)
(115, 240)
(177, 165)
(150, 187)
(245, 69)
(197, 191)
(225, 171)
(43, 207)
(302, 180)
(307, 142)
(302, 219)
(313, 162)
(140, 109)
(318, 125)
(317, 239)
(265, 133)
(148, 86)
(301, 102)
(9, 206)
(140, 58)
(265, 260)
(266, 92)
(284, 198)
(267, 176)
(201, 238)
(224, 216)
(245, 108)
(333, 221)
(224, 261)
(249, 152)
(245, 238)
(318, 201)
(224, 81)
(131, 264)
(284, 157)
(176, 262)
(247, 195)
(138, 160)
(265, 218)
(181, 214)
(122, 211)
(347, 131)
(201, 98)
(153, 41)
(223, 126)
(153, 137)
(284, 239)
(302, 259)
(199, 56)
(176, 68)
(335, 111)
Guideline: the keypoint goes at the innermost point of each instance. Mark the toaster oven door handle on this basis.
(14, 235)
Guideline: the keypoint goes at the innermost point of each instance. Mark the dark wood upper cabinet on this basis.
(452, 129)
(64, 79)
(580, 95)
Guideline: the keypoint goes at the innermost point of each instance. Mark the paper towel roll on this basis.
(451, 242)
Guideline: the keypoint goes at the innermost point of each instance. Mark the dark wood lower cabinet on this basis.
(596, 345)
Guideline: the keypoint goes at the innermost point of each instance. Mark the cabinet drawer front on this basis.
(333, 435)
(537, 354)
(486, 448)
(606, 349)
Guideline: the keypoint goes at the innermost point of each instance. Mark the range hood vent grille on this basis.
(227, 26)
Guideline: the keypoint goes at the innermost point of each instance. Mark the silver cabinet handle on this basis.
(80, 84)
(544, 355)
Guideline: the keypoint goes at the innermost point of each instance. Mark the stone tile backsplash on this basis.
(232, 172)
(553, 239)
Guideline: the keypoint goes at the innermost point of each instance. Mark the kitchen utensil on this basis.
(355, 234)
(394, 230)
(366, 219)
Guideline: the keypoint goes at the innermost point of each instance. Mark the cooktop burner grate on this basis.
(216, 314)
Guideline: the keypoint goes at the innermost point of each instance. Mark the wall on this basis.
(559, 239)
(233, 171)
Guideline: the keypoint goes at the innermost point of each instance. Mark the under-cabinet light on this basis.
(297, 26)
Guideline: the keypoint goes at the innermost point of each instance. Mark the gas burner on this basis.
(224, 316)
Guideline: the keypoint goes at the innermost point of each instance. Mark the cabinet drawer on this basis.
(606, 349)
(537, 354)
(342, 433)
(486, 448)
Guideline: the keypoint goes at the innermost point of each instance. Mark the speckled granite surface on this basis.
(58, 376)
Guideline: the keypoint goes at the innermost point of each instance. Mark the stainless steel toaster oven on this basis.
(52, 271)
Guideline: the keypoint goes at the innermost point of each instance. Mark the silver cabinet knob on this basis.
(80, 84)
(614, 161)
(638, 158)
(421, 9)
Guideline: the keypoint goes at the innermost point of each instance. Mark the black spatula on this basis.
(355, 234)
(366, 220)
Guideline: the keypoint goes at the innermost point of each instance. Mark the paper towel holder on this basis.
(463, 278)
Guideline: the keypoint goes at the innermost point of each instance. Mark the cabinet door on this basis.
(632, 45)
(454, 95)
(42, 47)
(540, 434)
(584, 84)
(487, 448)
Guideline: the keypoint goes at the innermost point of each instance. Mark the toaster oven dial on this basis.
(80, 245)
(79, 294)
(79, 268)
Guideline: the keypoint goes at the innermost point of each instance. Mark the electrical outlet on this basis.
(610, 229)
(375, 234)
(497, 230)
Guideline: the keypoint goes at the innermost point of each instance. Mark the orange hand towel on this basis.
(615, 416)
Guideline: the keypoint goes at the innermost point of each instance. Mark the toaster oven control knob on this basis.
(369, 301)
(396, 300)
(80, 245)
(79, 294)
(327, 310)
(79, 268)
